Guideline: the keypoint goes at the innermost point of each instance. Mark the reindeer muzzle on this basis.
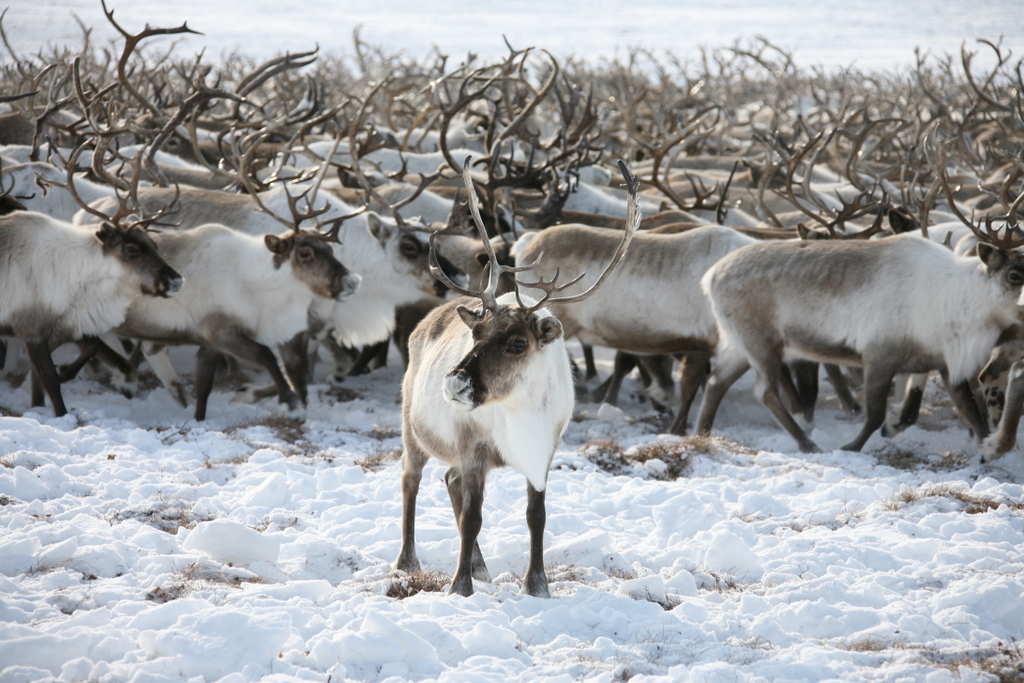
(345, 286)
(458, 390)
(169, 282)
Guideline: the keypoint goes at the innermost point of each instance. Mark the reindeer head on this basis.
(410, 254)
(504, 341)
(136, 250)
(313, 262)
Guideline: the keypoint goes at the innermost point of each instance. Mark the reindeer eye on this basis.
(517, 345)
(131, 250)
(305, 254)
(410, 249)
(1015, 277)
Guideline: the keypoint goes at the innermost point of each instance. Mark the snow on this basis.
(139, 545)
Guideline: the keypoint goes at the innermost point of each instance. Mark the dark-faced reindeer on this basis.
(949, 317)
(61, 283)
(489, 384)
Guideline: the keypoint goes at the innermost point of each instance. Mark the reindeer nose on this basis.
(171, 282)
(458, 390)
(346, 285)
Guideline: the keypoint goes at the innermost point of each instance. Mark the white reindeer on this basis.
(653, 304)
(488, 384)
(245, 296)
(830, 302)
(391, 260)
(60, 283)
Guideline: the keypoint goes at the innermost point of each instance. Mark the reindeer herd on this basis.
(316, 207)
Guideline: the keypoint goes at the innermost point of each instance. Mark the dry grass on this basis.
(973, 504)
(1005, 662)
(167, 516)
(607, 455)
(380, 458)
(905, 459)
(237, 460)
(341, 394)
(665, 458)
(381, 433)
(285, 429)
(8, 412)
(197, 576)
(420, 582)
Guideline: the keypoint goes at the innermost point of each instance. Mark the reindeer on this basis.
(488, 384)
(950, 316)
(246, 296)
(652, 306)
(60, 283)
(392, 259)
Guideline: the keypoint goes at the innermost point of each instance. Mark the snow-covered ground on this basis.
(138, 545)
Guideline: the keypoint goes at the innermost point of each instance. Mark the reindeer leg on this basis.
(160, 362)
(624, 362)
(342, 358)
(805, 375)
(731, 366)
(693, 372)
(207, 360)
(842, 388)
(966, 406)
(911, 407)
(588, 360)
(536, 583)
(295, 358)
(656, 374)
(247, 349)
(453, 480)
(46, 372)
(87, 349)
(769, 368)
(413, 460)
(878, 376)
(471, 484)
(366, 357)
(1005, 436)
(380, 359)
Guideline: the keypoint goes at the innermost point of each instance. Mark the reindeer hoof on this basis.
(537, 586)
(179, 394)
(298, 413)
(990, 450)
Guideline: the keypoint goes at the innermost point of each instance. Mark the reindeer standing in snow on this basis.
(489, 384)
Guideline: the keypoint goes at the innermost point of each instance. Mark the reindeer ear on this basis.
(380, 229)
(547, 329)
(280, 247)
(993, 257)
(469, 316)
(901, 220)
(108, 234)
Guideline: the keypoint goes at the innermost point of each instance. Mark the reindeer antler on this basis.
(494, 269)
(633, 217)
